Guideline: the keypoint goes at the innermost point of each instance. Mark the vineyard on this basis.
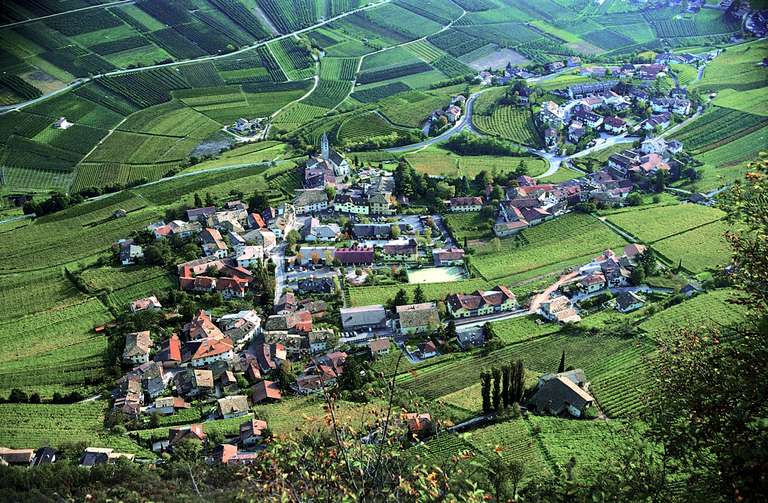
(510, 123)
(55, 350)
(373, 94)
(395, 72)
(707, 310)
(451, 67)
(105, 174)
(608, 39)
(468, 226)
(364, 126)
(456, 42)
(297, 115)
(541, 354)
(61, 242)
(590, 443)
(698, 249)
(567, 239)
(295, 60)
(522, 329)
(328, 93)
(289, 15)
(717, 128)
(424, 50)
(338, 68)
(656, 223)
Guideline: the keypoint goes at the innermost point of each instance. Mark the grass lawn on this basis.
(434, 160)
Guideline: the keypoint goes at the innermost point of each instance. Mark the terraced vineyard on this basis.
(713, 309)
(717, 128)
(542, 355)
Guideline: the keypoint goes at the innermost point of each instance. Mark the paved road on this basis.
(464, 324)
(278, 257)
(75, 83)
(464, 123)
(625, 235)
(16, 219)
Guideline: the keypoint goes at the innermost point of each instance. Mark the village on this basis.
(292, 264)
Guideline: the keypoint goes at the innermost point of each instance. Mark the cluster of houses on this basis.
(594, 107)
(447, 116)
(608, 271)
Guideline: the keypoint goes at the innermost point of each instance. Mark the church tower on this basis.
(325, 148)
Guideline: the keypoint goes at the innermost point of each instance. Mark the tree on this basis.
(506, 373)
(428, 234)
(561, 367)
(517, 382)
(638, 276)
(330, 192)
(198, 201)
(497, 193)
(395, 231)
(293, 237)
(418, 295)
(450, 331)
(209, 200)
(522, 168)
(496, 394)
(747, 204)
(485, 391)
(401, 298)
(635, 199)
(660, 181)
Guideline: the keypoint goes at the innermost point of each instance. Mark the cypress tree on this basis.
(518, 386)
(505, 379)
(561, 368)
(496, 389)
(485, 390)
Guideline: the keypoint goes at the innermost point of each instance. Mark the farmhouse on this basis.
(628, 301)
(559, 309)
(265, 392)
(137, 346)
(448, 257)
(363, 318)
(232, 406)
(481, 303)
(251, 432)
(417, 318)
(552, 114)
(355, 256)
(558, 395)
(310, 201)
(615, 125)
(351, 203)
(379, 347)
(147, 303)
(464, 204)
(401, 250)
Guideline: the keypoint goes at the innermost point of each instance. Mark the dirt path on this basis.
(537, 301)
